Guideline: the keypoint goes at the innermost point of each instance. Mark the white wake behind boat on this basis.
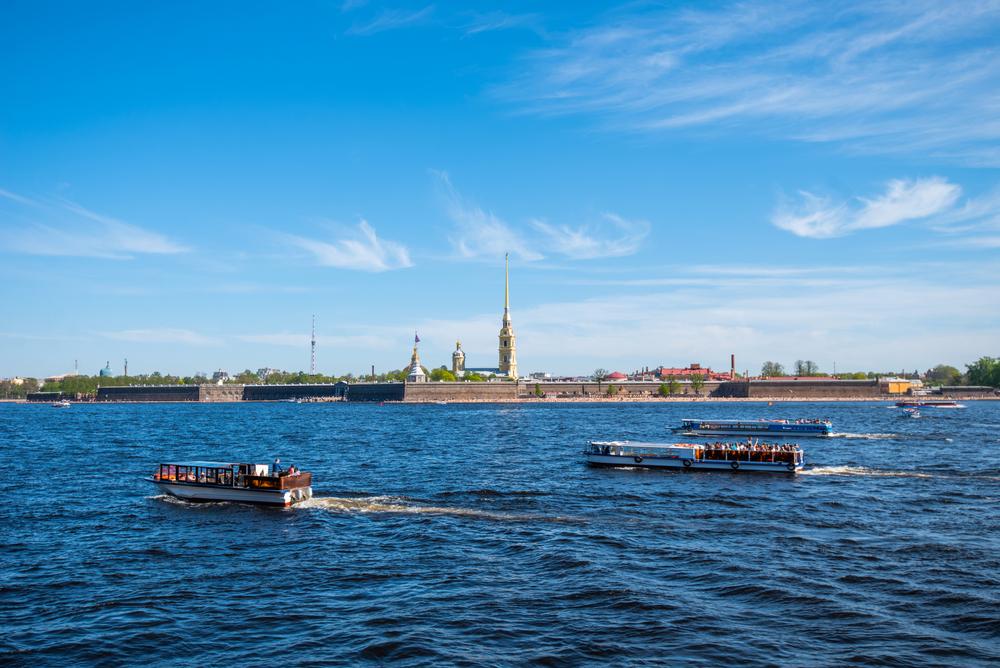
(767, 458)
(231, 481)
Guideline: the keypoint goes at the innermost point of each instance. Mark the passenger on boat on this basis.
(276, 468)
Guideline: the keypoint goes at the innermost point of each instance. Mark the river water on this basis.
(474, 534)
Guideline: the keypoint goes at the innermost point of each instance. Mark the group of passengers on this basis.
(751, 450)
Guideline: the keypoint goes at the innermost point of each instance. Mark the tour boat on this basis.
(760, 427)
(232, 481)
(61, 404)
(929, 403)
(769, 458)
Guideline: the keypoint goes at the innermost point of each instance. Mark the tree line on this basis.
(984, 371)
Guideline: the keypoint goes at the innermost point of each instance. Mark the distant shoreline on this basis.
(532, 400)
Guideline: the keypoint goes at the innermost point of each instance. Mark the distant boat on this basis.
(929, 403)
(765, 428)
(910, 413)
(760, 457)
(61, 404)
(231, 481)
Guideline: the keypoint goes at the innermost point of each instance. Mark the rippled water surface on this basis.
(475, 534)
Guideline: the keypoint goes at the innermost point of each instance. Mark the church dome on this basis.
(106, 371)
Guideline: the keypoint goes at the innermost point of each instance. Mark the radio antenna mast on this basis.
(312, 364)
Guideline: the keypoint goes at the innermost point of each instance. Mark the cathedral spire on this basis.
(508, 345)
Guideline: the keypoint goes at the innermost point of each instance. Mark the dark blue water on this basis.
(474, 535)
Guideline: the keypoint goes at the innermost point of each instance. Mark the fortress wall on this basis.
(284, 392)
(968, 391)
(149, 393)
(47, 396)
(418, 392)
(628, 388)
(809, 389)
(219, 393)
(375, 392)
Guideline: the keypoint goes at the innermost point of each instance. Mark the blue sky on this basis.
(185, 185)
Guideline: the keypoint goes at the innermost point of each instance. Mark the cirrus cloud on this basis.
(904, 200)
(362, 251)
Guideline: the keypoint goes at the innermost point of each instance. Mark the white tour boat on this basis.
(63, 403)
(770, 458)
(765, 428)
(230, 481)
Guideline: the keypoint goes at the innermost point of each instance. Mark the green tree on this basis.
(612, 390)
(246, 377)
(11, 390)
(538, 391)
(697, 382)
(442, 374)
(770, 369)
(984, 371)
(673, 386)
(806, 368)
(943, 374)
(663, 390)
(473, 377)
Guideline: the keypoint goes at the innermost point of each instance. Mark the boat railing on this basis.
(728, 454)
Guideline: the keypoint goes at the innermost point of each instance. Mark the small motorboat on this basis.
(760, 457)
(910, 413)
(63, 403)
(232, 481)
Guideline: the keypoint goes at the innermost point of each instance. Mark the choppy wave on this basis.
(478, 536)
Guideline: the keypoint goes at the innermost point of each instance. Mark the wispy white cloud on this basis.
(65, 228)
(890, 77)
(20, 199)
(363, 251)
(588, 242)
(498, 20)
(166, 335)
(904, 200)
(480, 233)
(390, 19)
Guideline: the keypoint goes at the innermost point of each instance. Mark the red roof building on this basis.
(687, 372)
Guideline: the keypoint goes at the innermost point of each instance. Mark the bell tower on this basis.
(508, 343)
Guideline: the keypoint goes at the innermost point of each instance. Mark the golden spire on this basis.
(506, 287)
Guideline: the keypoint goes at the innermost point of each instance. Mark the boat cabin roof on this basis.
(644, 445)
(758, 421)
(203, 464)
